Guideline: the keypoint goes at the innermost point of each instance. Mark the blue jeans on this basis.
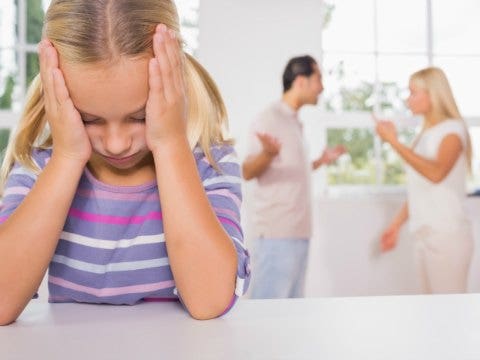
(279, 267)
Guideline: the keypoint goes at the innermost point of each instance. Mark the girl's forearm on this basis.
(28, 238)
(201, 254)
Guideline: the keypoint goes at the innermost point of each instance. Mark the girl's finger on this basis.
(59, 87)
(166, 71)
(173, 52)
(49, 92)
(155, 82)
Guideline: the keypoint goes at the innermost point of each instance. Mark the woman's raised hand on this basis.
(166, 105)
(386, 130)
(70, 139)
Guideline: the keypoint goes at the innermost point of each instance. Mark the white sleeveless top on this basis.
(438, 205)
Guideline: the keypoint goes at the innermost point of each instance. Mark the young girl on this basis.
(436, 175)
(119, 180)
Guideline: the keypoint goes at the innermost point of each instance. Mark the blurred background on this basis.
(367, 49)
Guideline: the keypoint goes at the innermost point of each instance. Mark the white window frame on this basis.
(363, 120)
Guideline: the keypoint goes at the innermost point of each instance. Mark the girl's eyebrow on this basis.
(140, 110)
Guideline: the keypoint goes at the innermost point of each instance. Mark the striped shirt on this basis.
(112, 248)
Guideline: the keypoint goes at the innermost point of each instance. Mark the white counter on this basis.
(403, 327)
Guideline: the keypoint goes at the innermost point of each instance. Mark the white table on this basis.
(401, 327)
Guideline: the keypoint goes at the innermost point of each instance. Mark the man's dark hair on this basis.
(297, 66)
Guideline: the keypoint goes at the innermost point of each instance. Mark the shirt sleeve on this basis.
(19, 182)
(452, 127)
(223, 189)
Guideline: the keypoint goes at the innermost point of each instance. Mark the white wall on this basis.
(246, 44)
(344, 258)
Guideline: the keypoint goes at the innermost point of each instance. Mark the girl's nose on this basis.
(117, 142)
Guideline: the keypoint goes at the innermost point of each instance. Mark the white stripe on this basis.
(112, 244)
(102, 269)
(229, 158)
(25, 172)
(239, 287)
(222, 179)
(242, 245)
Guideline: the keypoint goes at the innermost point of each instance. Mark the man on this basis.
(282, 208)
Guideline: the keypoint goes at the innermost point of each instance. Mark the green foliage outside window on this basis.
(35, 16)
(359, 166)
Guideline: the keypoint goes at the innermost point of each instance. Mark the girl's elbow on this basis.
(210, 311)
(206, 313)
(7, 316)
(9, 311)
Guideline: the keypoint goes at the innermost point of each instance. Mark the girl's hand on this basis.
(166, 105)
(386, 130)
(389, 238)
(70, 139)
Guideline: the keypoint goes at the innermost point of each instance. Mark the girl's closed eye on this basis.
(139, 119)
(89, 119)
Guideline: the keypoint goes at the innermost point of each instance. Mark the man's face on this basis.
(312, 87)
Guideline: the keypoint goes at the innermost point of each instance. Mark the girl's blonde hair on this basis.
(102, 31)
(435, 82)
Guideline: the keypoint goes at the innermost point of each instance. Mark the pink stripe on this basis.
(230, 222)
(152, 299)
(16, 190)
(228, 212)
(3, 218)
(118, 220)
(124, 290)
(101, 194)
(227, 193)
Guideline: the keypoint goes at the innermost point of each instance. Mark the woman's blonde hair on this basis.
(102, 31)
(435, 82)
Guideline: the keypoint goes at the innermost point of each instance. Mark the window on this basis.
(370, 48)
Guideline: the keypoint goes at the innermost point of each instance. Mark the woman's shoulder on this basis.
(452, 124)
(455, 126)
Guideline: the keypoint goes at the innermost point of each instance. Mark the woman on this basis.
(437, 165)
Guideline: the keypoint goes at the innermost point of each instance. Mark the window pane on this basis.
(8, 79)
(350, 26)
(393, 165)
(401, 25)
(7, 24)
(4, 135)
(464, 76)
(358, 165)
(188, 11)
(33, 67)
(394, 73)
(348, 82)
(34, 21)
(456, 27)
